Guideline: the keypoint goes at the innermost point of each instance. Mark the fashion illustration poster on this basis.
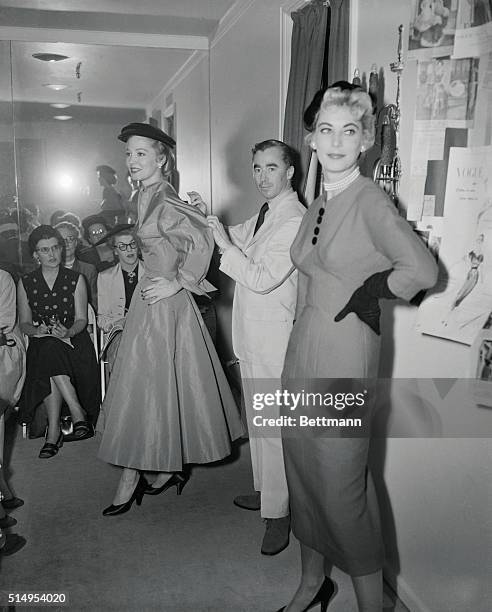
(460, 305)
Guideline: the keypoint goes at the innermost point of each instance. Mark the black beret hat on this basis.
(146, 130)
(117, 229)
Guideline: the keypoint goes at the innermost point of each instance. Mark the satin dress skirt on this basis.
(168, 401)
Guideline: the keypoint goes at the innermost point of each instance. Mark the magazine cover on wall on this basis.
(473, 29)
(481, 366)
(460, 305)
(432, 28)
(447, 91)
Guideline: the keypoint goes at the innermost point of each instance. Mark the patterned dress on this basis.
(47, 357)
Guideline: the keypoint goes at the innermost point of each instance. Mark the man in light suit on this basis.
(256, 254)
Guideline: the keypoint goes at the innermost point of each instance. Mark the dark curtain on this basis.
(316, 28)
(306, 70)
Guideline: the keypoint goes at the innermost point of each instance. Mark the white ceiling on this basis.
(204, 9)
(110, 76)
(178, 17)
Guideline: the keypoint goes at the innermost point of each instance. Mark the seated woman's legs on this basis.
(67, 391)
(53, 404)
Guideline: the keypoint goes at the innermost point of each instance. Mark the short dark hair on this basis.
(108, 172)
(43, 232)
(288, 155)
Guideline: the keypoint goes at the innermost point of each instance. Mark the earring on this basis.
(313, 147)
(362, 149)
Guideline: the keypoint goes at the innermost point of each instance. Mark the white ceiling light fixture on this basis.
(62, 117)
(55, 86)
(59, 105)
(50, 57)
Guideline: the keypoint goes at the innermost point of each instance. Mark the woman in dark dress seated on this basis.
(61, 364)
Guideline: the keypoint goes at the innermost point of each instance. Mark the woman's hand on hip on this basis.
(159, 289)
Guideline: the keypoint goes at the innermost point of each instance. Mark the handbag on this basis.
(12, 369)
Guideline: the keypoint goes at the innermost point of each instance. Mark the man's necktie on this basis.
(261, 217)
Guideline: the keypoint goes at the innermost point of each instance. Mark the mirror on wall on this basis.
(62, 108)
(9, 229)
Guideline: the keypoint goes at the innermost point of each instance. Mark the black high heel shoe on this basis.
(325, 594)
(137, 496)
(178, 479)
(49, 449)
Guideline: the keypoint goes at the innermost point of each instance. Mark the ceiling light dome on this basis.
(55, 86)
(62, 117)
(50, 57)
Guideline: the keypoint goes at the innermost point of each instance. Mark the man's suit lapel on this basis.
(265, 227)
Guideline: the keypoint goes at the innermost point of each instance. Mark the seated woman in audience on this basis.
(12, 373)
(71, 236)
(116, 285)
(71, 218)
(101, 255)
(61, 364)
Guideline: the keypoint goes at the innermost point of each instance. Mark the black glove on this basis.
(365, 300)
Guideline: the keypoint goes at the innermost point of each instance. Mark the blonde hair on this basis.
(360, 105)
(167, 154)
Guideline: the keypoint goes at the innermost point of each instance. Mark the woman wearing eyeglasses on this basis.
(116, 285)
(61, 364)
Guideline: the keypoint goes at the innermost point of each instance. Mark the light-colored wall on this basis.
(245, 103)
(191, 95)
(436, 507)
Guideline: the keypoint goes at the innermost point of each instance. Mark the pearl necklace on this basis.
(342, 183)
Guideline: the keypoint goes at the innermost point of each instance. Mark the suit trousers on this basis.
(267, 458)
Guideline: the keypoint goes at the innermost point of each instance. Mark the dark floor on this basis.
(197, 552)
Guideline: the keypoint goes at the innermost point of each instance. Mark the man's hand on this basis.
(197, 200)
(159, 289)
(220, 235)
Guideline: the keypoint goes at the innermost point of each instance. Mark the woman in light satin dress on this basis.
(168, 403)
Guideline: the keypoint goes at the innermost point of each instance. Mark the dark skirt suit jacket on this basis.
(333, 504)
